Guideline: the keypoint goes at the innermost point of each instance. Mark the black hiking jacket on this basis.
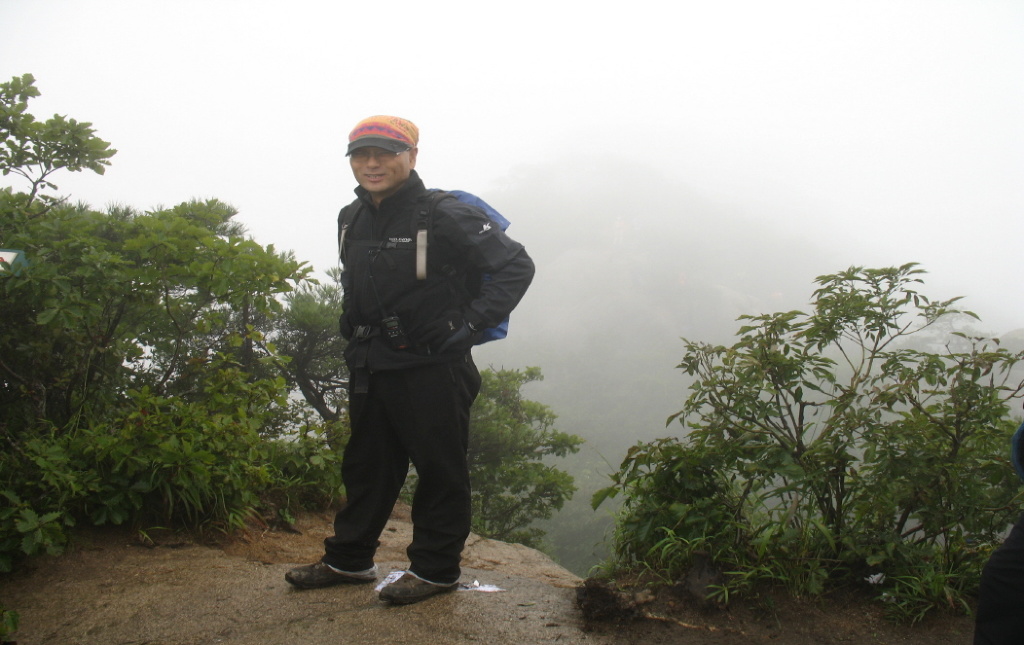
(378, 253)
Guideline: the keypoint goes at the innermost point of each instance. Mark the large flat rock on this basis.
(109, 589)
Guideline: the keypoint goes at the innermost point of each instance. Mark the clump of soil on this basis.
(637, 611)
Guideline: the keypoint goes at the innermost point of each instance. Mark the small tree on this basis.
(308, 335)
(510, 438)
(35, 149)
(827, 445)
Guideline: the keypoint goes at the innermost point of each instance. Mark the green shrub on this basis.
(833, 446)
(167, 462)
(8, 624)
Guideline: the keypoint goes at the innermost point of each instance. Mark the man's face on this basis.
(381, 172)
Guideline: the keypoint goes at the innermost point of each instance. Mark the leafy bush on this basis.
(167, 462)
(824, 448)
(8, 624)
(135, 385)
(510, 438)
(307, 471)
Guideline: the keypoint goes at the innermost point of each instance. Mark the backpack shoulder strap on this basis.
(346, 218)
(424, 218)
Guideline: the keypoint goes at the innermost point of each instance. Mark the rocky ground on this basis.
(116, 587)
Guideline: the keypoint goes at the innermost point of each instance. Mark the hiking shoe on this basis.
(411, 588)
(315, 576)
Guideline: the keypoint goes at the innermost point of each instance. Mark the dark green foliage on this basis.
(826, 447)
(134, 381)
(34, 149)
(680, 492)
(8, 624)
(510, 437)
(308, 334)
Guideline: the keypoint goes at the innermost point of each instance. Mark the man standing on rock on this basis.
(424, 275)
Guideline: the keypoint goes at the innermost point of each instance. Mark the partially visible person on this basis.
(999, 619)
(415, 301)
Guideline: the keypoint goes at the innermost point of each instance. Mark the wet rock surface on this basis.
(112, 589)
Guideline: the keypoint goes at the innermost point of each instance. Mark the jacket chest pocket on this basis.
(388, 262)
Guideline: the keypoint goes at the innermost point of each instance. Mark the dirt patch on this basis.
(661, 615)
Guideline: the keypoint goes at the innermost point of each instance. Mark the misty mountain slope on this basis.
(628, 262)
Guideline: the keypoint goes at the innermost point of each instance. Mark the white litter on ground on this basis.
(476, 586)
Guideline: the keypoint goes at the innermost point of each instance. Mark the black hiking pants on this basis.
(1000, 616)
(418, 415)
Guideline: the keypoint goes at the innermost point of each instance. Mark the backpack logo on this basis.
(486, 228)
